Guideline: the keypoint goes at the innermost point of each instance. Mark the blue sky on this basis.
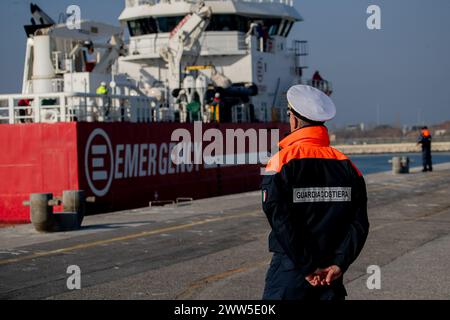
(404, 68)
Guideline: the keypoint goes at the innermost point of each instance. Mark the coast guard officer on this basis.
(316, 203)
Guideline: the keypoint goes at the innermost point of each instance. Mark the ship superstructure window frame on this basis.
(168, 24)
(275, 26)
(242, 23)
(229, 22)
(272, 25)
(286, 30)
(152, 25)
(142, 26)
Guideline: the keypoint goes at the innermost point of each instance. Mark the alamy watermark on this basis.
(214, 147)
(74, 280)
(73, 21)
(374, 20)
(374, 280)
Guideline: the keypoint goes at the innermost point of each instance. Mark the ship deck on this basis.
(217, 248)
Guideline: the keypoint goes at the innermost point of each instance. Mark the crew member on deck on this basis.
(90, 57)
(317, 79)
(102, 89)
(215, 108)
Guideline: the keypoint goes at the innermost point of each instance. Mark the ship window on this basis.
(291, 24)
(272, 26)
(228, 22)
(289, 28)
(145, 26)
(167, 24)
(142, 27)
(231, 22)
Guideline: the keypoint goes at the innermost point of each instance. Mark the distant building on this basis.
(355, 127)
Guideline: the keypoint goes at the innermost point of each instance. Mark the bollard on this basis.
(41, 213)
(43, 218)
(400, 165)
(404, 161)
(75, 201)
(396, 165)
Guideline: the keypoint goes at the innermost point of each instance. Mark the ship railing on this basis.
(285, 2)
(241, 113)
(134, 3)
(261, 44)
(78, 107)
(322, 85)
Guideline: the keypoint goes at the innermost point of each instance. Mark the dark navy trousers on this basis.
(426, 158)
(285, 282)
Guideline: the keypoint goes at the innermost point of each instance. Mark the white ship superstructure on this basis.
(167, 62)
(245, 42)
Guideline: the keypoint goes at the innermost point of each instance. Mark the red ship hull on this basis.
(124, 165)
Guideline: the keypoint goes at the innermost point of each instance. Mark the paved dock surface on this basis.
(217, 248)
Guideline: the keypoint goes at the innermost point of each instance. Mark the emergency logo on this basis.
(325, 194)
(106, 161)
(99, 162)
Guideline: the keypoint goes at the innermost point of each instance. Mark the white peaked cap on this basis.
(311, 103)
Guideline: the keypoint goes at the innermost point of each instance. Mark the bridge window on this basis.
(142, 27)
(167, 24)
(228, 22)
(272, 26)
(287, 28)
(151, 25)
(290, 28)
(219, 22)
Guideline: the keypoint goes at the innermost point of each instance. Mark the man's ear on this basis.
(297, 122)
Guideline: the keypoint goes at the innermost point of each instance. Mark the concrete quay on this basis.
(217, 248)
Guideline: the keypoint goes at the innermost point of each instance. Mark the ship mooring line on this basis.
(125, 238)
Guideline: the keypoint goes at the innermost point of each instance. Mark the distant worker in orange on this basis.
(214, 109)
(425, 141)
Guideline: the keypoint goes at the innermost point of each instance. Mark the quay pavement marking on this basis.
(201, 283)
(127, 237)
